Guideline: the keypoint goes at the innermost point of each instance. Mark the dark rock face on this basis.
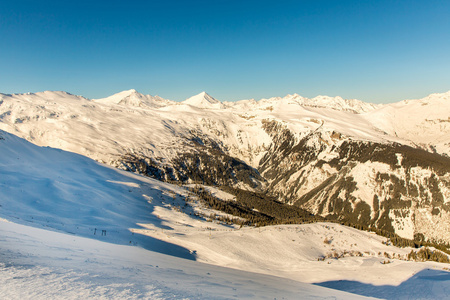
(204, 162)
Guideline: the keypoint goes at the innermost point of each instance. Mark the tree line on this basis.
(259, 209)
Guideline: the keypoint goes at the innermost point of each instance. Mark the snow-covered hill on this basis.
(74, 198)
(359, 162)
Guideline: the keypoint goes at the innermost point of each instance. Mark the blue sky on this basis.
(375, 51)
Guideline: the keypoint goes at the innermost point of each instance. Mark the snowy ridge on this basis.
(47, 95)
(133, 98)
(425, 121)
(336, 103)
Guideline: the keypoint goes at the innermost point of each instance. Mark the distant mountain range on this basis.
(385, 166)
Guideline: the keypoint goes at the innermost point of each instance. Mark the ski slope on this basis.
(42, 264)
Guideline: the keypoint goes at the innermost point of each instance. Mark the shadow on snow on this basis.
(426, 284)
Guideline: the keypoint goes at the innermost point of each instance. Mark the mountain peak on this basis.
(206, 96)
(117, 98)
(130, 91)
(134, 98)
(203, 100)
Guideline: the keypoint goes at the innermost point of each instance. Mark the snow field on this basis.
(41, 264)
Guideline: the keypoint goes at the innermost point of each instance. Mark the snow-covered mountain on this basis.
(336, 103)
(358, 162)
(392, 187)
(425, 122)
(91, 231)
(203, 100)
(133, 98)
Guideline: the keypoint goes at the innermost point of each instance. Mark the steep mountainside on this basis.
(389, 186)
(351, 160)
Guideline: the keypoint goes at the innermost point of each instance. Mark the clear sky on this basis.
(375, 51)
